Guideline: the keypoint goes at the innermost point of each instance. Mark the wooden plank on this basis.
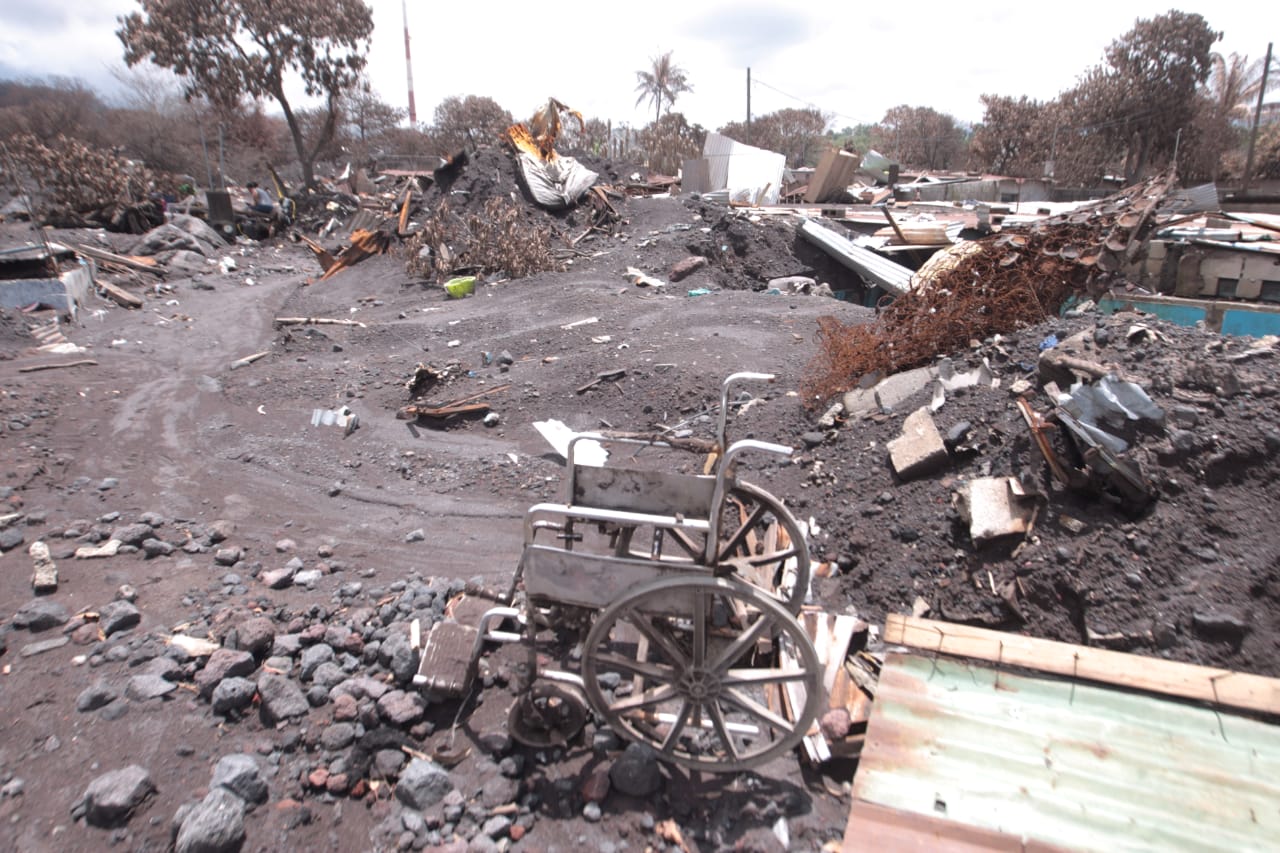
(133, 262)
(834, 173)
(877, 827)
(1155, 675)
(119, 295)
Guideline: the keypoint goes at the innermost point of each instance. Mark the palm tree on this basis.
(1233, 84)
(664, 80)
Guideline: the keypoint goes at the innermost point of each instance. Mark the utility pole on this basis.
(408, 64)
(748, 139)
(1257, 117)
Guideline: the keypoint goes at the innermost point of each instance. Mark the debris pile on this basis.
(989, 286)
(81, 187)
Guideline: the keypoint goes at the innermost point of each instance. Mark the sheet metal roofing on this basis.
(1078, 766)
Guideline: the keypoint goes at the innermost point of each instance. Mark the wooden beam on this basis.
(133, 262)
(82, 362)
(1155, 675)
(119, 295)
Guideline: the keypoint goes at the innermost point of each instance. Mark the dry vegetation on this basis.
(499, 238)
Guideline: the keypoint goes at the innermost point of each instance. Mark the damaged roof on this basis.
(1067, 763)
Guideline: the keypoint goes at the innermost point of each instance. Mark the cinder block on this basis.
(919, 450)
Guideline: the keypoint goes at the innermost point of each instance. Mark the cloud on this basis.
(746, 34)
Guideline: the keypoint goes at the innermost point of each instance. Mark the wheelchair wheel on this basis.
(703, 670)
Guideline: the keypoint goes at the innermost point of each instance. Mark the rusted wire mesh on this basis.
(985, 287)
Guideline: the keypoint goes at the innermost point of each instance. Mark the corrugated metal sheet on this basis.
(744, 170)
(873, 268)
(1083, 767)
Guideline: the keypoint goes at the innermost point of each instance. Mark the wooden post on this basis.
(1257, 117)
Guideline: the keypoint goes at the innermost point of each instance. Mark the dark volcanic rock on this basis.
(282, 699)
(223, 663)
(232, 694)
(118, 616)
(636, 771)
(40, 614)
(240, 775)
(111, 798)
(214, 825)
(422, 784)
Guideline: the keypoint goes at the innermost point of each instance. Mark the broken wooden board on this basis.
(119, 295)
(1136, 672)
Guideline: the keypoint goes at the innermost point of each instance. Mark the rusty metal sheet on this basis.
(1065, 763)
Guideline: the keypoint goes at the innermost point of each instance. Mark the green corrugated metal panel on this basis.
(1082, 767)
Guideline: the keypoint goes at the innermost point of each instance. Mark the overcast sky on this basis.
(852, 60)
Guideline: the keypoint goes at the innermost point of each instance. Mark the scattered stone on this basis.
(1220, 626)
(312, 659)
(107, 549)
(95, 696)
(919, 450)
(496, 826)
(152, 548)
(144, 687)
(240, 775)
(111, 799)
(636, 772)
(812, 439)
(132, 534)
(224, 663)
(10, 538)
(416, 535)
(337, 736)
(44, 571)
(126, 592)
(40, 614)
(284, 546)
(401, 708)
(255, 634)
(387, 763)
(282, 699)
(687, 267)
(345, 708)
(423, 784)
(214, 825)
(115, 710)
(232, 694)
(221, 530)
(39, 648)
(227, 556)
(278, 578)
(591, 812)
(308, 577)
(118, 616)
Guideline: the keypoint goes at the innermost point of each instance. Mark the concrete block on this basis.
(919, 450)
(860, 402)
(994, 507)
(893, 390)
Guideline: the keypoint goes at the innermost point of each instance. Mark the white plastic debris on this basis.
(585, 452)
